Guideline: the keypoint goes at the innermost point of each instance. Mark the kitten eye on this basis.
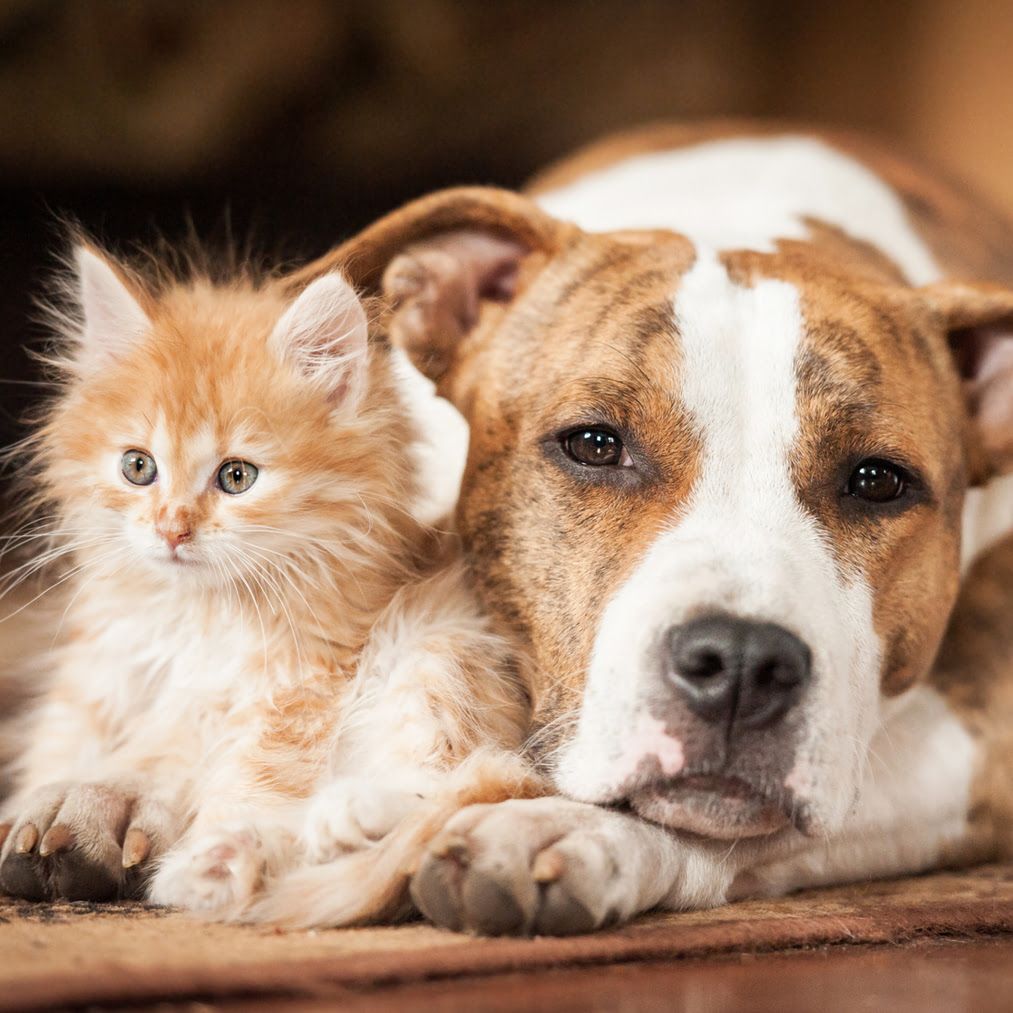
(877, 481)
(596, 448)
(235, 477)
(138, 467)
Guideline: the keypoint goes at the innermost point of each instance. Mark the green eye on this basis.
(138, 467)
(235, 477)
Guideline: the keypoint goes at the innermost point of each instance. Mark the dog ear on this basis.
(437, 260)
(979, 321)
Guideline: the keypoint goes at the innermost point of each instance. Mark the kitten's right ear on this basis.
(113, 320)
(325, 332)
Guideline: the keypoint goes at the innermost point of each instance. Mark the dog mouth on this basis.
(714, 805)
(726, 787)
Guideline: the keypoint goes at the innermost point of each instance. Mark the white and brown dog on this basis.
(726, 403)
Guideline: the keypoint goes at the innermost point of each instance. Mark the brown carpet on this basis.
(83, 954)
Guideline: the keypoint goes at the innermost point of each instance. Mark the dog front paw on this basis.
(82, 842)
(543, 866)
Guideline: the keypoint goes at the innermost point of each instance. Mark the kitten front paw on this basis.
(82, 842)
(352, 813)
(217, 873)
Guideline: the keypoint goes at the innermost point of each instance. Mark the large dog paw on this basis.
(82, 842)
(543, 866)
(352, 813)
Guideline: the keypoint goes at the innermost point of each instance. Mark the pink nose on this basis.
(175, 537)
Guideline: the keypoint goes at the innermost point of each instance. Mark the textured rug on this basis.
(95, 955)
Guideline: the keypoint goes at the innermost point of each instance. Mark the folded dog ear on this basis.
(979, 319)
(438, 259)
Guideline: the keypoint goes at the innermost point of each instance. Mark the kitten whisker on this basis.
(260, 618)
(73, 572)
(256, 551)
(77, 594)
(258, 573)
(16, 577)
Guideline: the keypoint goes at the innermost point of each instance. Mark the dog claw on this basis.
(452, 846)
(548, 867)
(26, 839)
(57, 838)
(136, 848)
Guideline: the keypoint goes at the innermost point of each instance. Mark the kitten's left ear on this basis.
(325, 331)
(979, 320)
(113, 319)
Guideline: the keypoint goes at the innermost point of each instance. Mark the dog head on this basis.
(718, 495)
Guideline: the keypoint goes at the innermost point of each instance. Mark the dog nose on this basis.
(728, 669)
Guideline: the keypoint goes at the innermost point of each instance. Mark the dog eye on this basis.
(235, 477)
(138, 467)
(597, 448)
(877, 481)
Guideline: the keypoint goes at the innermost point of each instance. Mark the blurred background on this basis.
(298, 121)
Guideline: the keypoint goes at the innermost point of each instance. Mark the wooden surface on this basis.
(948, 977)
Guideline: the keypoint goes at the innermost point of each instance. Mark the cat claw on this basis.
(58, 838)
(82, 842)
(136, 848)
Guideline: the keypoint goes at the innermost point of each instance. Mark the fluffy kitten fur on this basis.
(239, 685)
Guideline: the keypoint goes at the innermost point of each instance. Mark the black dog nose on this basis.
(729, 669)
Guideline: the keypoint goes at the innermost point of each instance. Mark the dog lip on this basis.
(716, 784)
(721, 788)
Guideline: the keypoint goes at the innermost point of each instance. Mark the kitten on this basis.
(261, 659)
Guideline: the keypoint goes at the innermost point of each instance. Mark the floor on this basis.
(951, 976)
(942, 941)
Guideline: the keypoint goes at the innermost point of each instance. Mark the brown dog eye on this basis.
(876, 481)
(596, 447)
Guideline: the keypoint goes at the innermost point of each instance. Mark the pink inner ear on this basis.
(500, 278)
(996, 357)
(488, 261)
(981, 352)
(984, 357)
(436, 288)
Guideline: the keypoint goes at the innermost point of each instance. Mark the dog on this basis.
(739, 401)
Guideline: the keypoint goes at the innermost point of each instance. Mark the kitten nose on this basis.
(174, 537)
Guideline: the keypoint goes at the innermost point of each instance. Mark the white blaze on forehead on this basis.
(743, 544)
(738, 384)
(746, 193)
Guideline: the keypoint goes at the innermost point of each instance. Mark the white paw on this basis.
(217, 873)
(352, 813)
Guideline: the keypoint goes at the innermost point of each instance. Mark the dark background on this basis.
(298, 121)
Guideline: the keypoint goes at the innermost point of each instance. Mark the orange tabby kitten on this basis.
(255, 668)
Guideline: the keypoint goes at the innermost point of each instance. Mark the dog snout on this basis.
(735, 671)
